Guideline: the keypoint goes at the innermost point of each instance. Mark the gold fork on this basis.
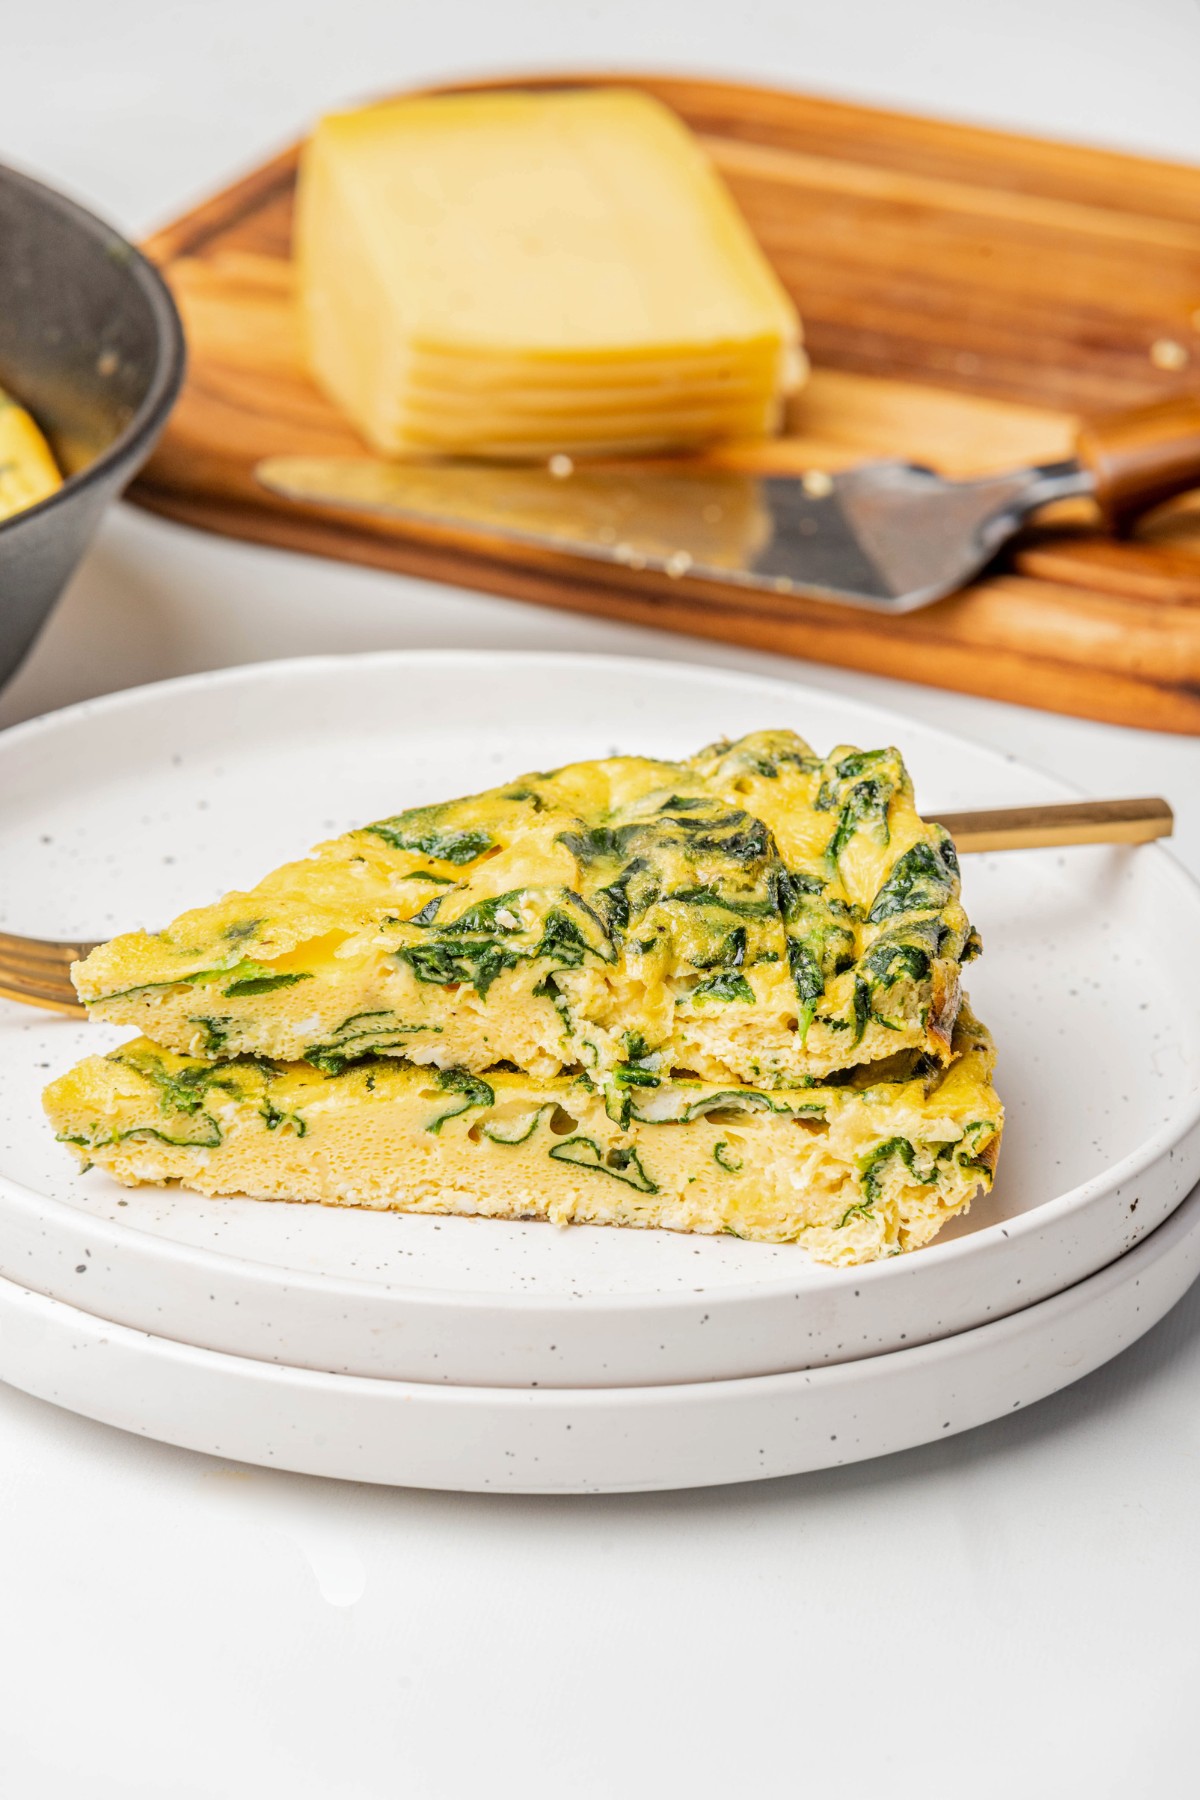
(37, 971)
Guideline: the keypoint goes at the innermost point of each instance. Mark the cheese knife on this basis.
(887, 536)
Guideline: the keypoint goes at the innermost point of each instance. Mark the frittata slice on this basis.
(754, 914)
(852, 1170)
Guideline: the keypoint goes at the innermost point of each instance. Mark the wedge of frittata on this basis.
(865, 1165)
(755, 914)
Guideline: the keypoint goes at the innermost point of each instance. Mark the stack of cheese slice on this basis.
(714, 995)
(525, 274)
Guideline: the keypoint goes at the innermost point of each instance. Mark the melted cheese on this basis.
(517, 274)
(755, 913)
(852, 1171)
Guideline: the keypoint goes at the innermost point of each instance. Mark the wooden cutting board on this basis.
(965, 295)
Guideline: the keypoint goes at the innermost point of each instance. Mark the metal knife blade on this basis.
(888, 536)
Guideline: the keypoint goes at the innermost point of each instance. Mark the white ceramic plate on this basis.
(590, 1440)
(124, 810)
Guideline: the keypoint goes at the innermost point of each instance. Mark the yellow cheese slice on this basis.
(476, 238)
(566, 376)
(664, 398)
(528, 439)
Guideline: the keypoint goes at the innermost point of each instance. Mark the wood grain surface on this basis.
(967, 297)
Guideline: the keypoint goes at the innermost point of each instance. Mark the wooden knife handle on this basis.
(1075, 822)
(1140, 458)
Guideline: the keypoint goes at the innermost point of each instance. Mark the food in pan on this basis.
(861, 1167)
(523, 274)
(755, 913)
(28, 471)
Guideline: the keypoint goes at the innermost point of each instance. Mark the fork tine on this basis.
(17, 957)
(37, 972)
(31, 983)
(35, 967)
(49, 979)
(46, 968)
(55, 1000)
(45, 948)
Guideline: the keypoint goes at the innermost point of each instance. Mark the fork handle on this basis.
(1044, 827)
(1140, 458)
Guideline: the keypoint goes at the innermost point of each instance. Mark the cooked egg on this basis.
(755, 913)
(852, 1171)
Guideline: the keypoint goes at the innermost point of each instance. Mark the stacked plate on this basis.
(467, 1353)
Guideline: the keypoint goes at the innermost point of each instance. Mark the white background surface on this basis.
(1016, 1606)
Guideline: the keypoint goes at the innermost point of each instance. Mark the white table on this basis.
(1012, 1607)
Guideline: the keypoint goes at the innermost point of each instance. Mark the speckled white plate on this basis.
(124, 810)
(590, 1440)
